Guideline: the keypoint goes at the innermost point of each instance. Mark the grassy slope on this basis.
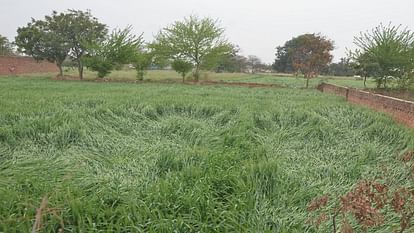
(158, 158)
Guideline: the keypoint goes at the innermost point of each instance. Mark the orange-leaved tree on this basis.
(308, 54)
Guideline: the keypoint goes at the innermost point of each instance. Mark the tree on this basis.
(365, 66)
(81, 30)
(121, 47)
(342, 68)
(389, 48)
(254, 63)
(60, 35)
(99, 64)
(232, 63)
(44, 40)
(307, 54)
(142, 60)
(283, 62)
(182, 67)
(312, 54)
(6, 48)
(195, 40)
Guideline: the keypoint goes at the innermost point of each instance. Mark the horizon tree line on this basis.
(194, 44)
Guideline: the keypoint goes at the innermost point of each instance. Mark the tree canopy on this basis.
(283, 62)
(142, 60)
(385, 52)
(121, 47)
(60, 35)
(196, 40)
(182, 67)
(82, 29)
(44, 40)
(342, 68)
(307, 54)
(6, 48)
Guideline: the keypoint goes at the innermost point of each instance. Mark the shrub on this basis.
(182, 67)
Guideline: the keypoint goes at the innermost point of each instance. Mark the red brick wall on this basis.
(24, 65)
(401, 110)
(337, 90)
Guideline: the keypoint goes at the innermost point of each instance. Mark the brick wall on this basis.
(337, 90)
(401, 110)
(24, 65)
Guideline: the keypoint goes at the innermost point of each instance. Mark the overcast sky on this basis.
(257, 26)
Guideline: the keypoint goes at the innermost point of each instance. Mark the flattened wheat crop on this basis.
(178, 158)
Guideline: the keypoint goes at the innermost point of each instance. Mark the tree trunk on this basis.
(365, 81)
(60, 70)
(80, 69)
(197, 72)
(141, 75)
(183, 75)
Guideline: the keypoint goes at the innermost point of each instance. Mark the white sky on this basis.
(257, 26)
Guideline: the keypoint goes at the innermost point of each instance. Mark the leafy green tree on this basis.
(99, 64)
(6, 48)
(283, 62)
(229, 62)
(81, 30)
(342, 68)
(124, 45)
(389, 48)
(232, 63)
(44, 40)
(142, 61)
(365, 66)
(117, 49)
(61, 35)
(182, 67)
(212, 60)
(196, 40)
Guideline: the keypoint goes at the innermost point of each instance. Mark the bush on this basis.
(100, 65)
(182, 67)
(119, 48)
